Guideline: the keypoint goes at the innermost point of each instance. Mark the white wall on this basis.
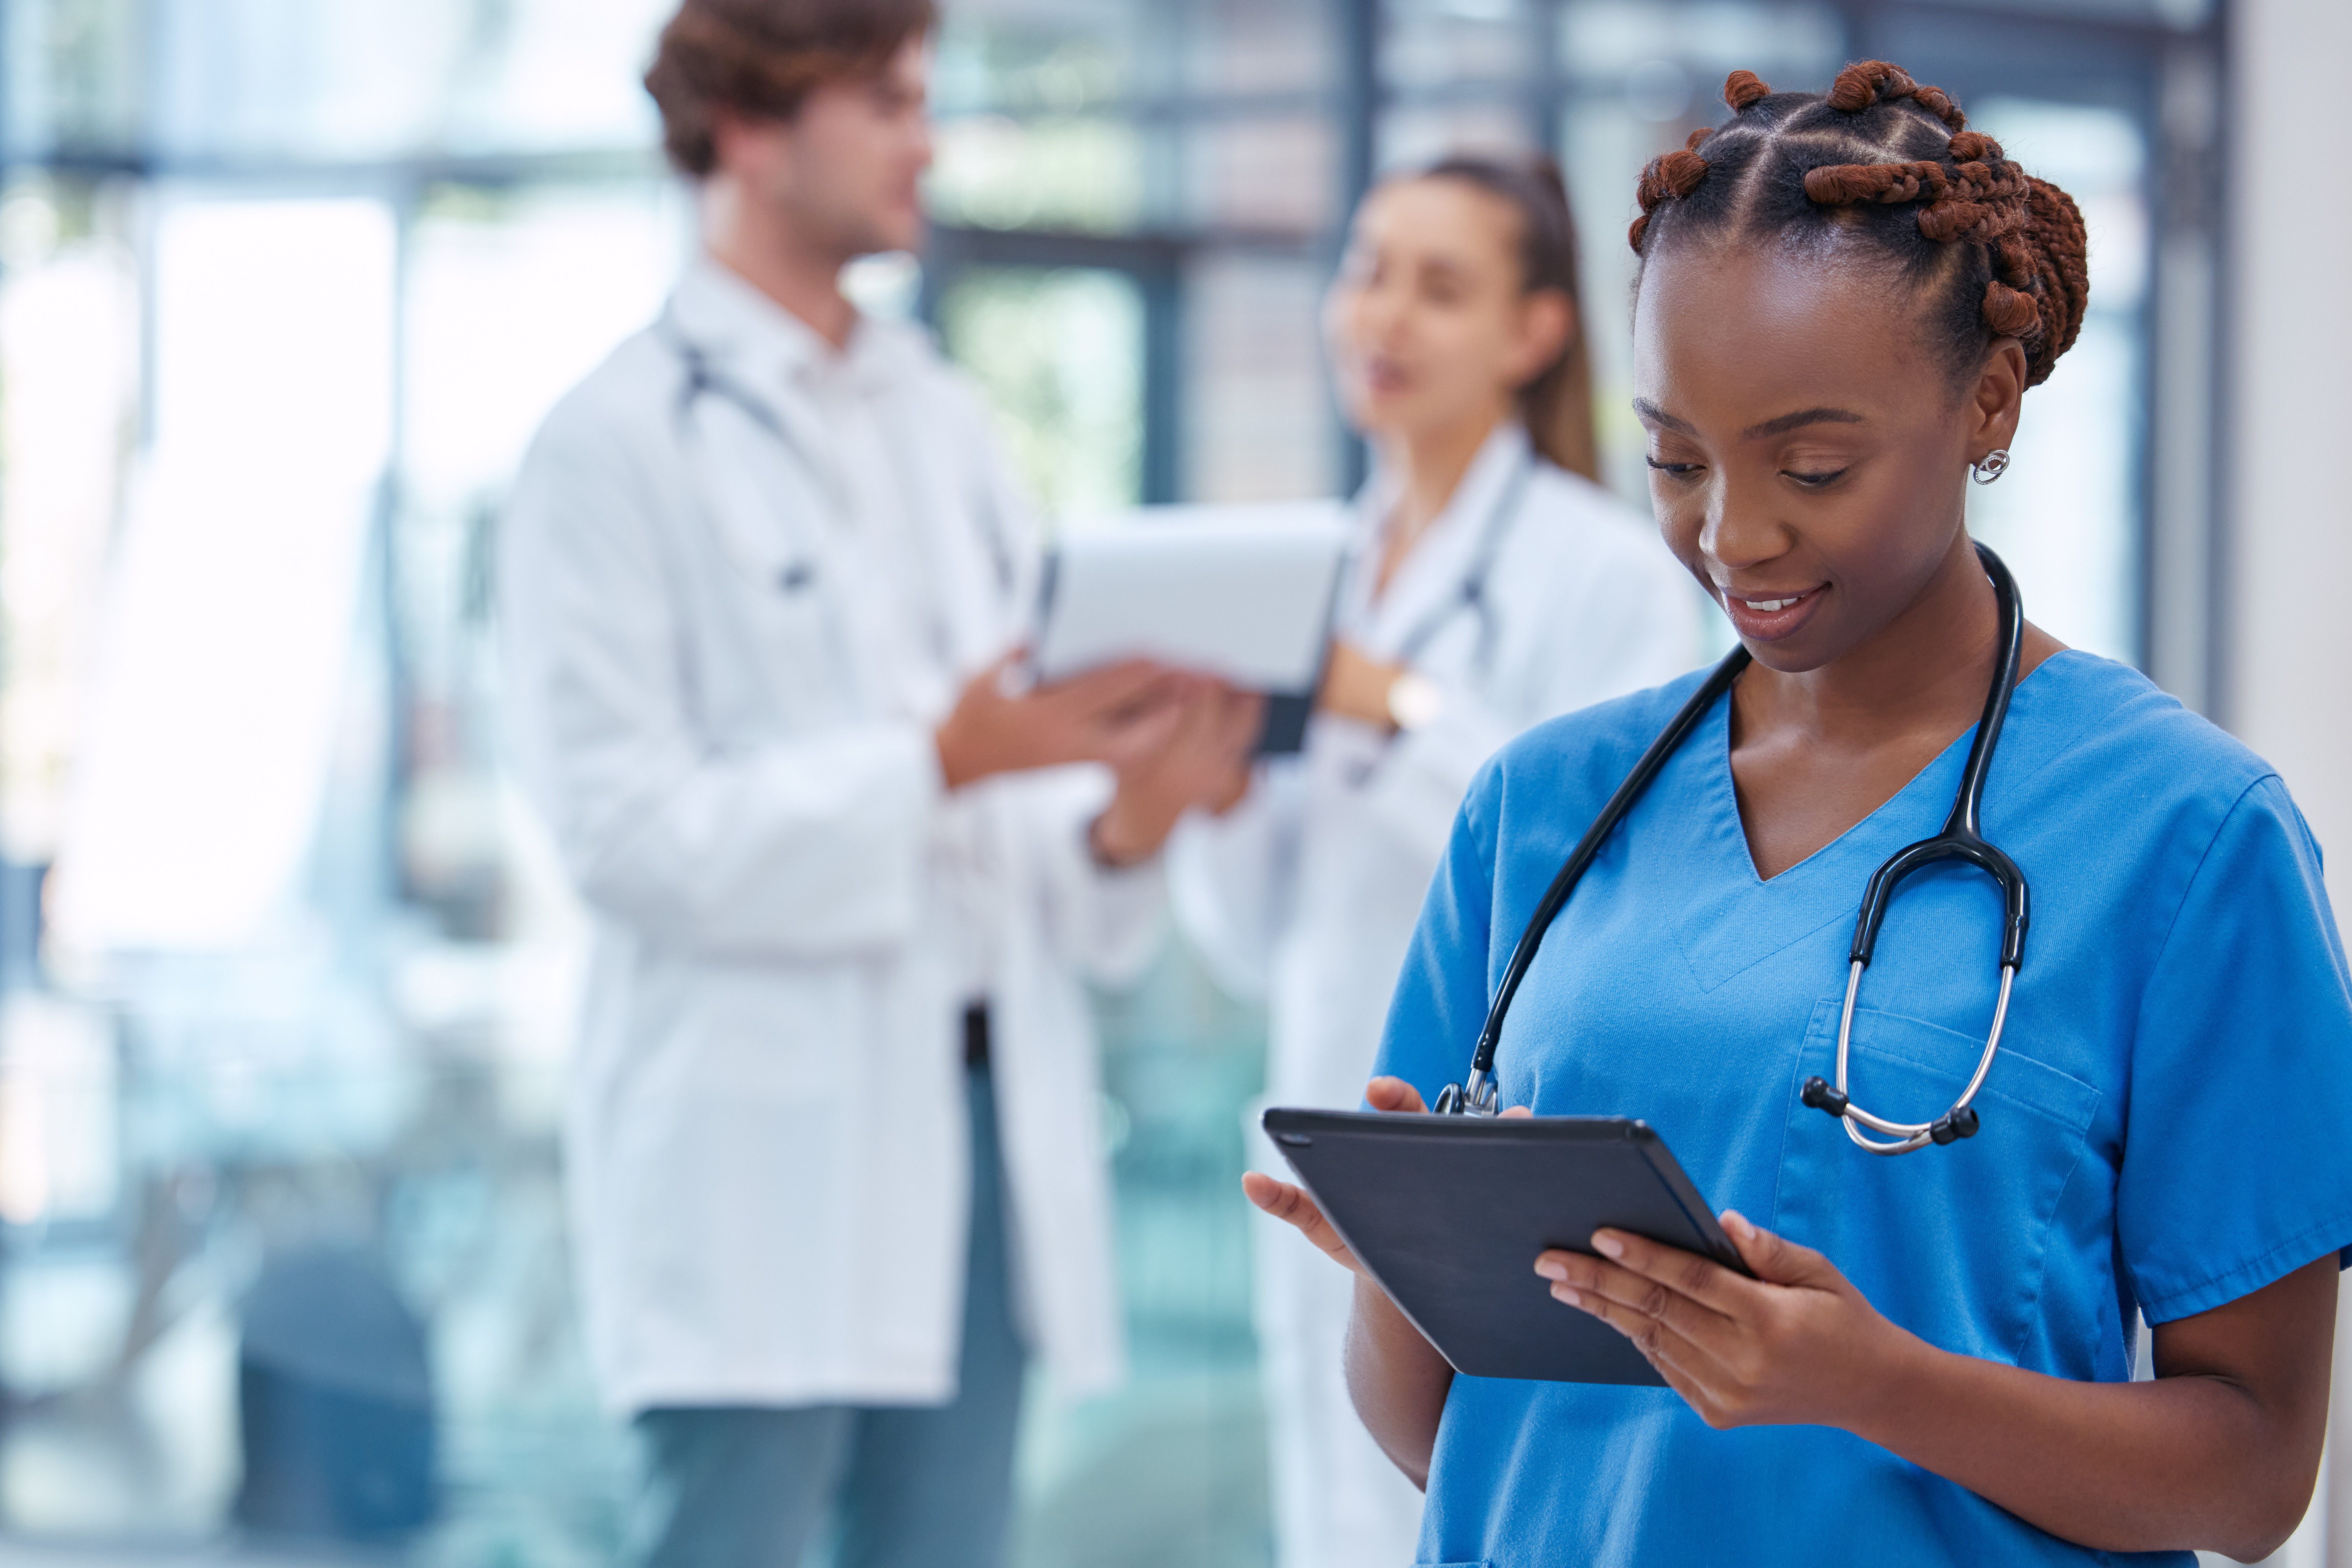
(2286, 686)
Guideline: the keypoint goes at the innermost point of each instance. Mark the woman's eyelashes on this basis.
(1810, 479)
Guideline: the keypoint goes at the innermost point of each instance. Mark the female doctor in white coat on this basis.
(1495, 585)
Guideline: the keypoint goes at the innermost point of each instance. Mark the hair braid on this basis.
(1676, 174)
(2007, 250)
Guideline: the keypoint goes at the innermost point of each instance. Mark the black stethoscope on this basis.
(1962, 839)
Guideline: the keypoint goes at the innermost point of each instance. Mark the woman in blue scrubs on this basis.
(1842, 300)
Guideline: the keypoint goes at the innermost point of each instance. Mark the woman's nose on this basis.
(1740, 530)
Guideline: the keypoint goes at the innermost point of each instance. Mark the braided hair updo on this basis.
(1882, 162)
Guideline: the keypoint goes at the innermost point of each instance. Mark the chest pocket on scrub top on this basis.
(1952, 1248)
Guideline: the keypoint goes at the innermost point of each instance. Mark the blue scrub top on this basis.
(2165, 1128)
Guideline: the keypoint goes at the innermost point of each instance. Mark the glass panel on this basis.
(295, 79)
(1259, 47)
(1059, 172)
(209, 743)
(1058, 354)
(70, 70)
(1620, 44)
(2183, 15)
(510, 299)
(1268, 176)
(1016, 57)
(1257, 415)
(1443, 43)
(70, 352)
(2066, 515)
(1422, 133)
(1170, 1472)
(1645, 77)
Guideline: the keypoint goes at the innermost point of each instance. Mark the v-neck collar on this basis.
(1734, 919)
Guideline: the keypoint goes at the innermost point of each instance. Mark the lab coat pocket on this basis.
(1948, 1241)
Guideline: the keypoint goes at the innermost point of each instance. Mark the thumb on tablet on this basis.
(1395, 1096)
(1292, 1205)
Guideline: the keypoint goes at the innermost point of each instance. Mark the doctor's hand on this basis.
(1198, 756)
(1798, 1343)
(1290, 1204)
(1088, 718)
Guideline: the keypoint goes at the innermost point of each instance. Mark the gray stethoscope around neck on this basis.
(1470, 594)
(1962, 839)
(704, 378)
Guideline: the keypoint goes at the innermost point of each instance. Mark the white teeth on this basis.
(1769, 606)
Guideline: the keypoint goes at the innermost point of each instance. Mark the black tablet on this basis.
(1449, 1212)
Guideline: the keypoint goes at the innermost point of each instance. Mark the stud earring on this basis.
(1989, 467)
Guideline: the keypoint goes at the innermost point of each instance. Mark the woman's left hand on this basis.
(1798, 1343)
(1356, 685)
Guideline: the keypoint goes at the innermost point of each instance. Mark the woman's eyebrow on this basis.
(1650, 414)
(1799, 420)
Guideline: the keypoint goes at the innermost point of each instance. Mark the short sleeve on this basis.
(1441, 997)
(2237, 1164)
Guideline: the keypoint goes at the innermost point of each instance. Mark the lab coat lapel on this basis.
(1430, 581)
(757, 348)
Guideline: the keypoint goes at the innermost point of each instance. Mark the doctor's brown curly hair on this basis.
(1885, 163)
(761, 58)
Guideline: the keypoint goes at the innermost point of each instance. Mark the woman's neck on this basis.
(1926, 671)
(1426, 467)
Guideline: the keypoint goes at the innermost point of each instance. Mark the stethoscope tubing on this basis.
(1962, 839)
(1475, 1095)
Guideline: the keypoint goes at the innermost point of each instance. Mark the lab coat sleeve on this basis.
(1108, 921)
(807, 847)
(1234, 878)
(1634, 625)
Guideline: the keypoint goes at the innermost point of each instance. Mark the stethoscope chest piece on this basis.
(1962, 839)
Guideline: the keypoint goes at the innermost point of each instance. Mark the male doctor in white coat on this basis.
(832, 1142)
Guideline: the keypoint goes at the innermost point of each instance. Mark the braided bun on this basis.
(1676, 174)
(2026, 272)
(1741, 89)
(1870, 82)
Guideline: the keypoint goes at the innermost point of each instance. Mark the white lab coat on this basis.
(767, 1138)
(1309, 891)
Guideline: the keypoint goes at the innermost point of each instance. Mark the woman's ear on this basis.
(1997, 399)
(1547, 326)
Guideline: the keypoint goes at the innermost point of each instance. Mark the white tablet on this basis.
(1243, 593)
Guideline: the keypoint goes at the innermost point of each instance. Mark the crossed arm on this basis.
(2219, 1452)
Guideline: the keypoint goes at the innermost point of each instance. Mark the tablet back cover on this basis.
(1449, 1214)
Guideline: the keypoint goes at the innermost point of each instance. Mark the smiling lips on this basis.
(1769, 619)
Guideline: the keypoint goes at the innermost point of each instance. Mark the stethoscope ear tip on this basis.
(1954, 1125)
(1824, 1096)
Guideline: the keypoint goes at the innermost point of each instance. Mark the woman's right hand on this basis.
(1289, 1202)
